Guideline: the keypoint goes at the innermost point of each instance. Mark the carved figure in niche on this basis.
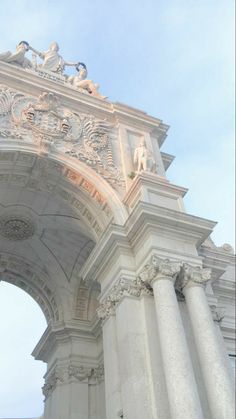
(80, 82)
(17, 57)
(52, 61)
(143, 158)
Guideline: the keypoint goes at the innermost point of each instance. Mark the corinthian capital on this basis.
(159, 269)
(192, 276)
(124, 287)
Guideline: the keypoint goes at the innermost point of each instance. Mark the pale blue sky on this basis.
(173, 59)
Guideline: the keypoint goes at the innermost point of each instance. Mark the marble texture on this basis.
(104, 245)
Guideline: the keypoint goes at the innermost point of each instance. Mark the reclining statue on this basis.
(80, 82)
(17, 57)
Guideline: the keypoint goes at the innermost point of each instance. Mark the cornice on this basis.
(31, 83)
(155, 182)
(216, 259)
(63, 332)
(167, 159)
(142, 217)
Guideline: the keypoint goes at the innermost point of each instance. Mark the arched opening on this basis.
(22, 324)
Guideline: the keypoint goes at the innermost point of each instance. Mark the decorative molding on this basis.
(52, 127)
(218, 313)
(67, 373)
(192, 276)
(16, 227)
(57, 376)
(159, 269)
(124, 287)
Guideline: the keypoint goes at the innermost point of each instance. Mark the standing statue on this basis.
(17, 57)
(143, 158)
(52, 61)
(80, 82)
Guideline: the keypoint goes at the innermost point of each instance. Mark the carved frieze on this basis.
(124, 287)
(52, 127)
(68, 373)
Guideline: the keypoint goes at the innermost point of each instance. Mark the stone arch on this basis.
(81, 206)
(33, 281)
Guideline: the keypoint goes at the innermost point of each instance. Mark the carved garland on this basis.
(66, 374)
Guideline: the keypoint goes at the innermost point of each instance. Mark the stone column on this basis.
(136, 379)
(212, 356)
(134, 368)
(106, 312)
(181, 386)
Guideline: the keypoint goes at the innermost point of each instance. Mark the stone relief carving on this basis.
(143, 158)
(15, 227)
(64, 374)
(218, 313)
(124, 287)
(57, 376)
(46, 123)
(182, 274)
(52, 67)
(159, 268)
(192, 275)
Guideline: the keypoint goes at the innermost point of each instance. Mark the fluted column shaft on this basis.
(181, 386)
(212, 356)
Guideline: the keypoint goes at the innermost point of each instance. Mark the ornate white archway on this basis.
(87, 214)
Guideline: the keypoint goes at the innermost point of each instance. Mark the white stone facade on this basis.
(138, 299)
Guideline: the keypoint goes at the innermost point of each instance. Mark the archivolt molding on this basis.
(56, 176)
(32, 280)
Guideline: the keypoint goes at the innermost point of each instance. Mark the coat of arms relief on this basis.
(52, 127)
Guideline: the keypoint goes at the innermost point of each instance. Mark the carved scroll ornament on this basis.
(52, 127)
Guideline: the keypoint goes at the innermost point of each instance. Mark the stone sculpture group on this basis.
(52, 62)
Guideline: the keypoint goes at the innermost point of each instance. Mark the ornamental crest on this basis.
(52, 127)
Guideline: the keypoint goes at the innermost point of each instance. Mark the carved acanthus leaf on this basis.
(192, 275)
(64, 375)
(124, 287)
(159, 269)
(52, 127)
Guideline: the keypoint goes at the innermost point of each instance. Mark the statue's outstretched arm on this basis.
(40, 54)
(69, 63)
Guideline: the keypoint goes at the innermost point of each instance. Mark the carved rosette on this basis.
(16, 227)
(124, 287)
(68, 373)
(159, 269)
